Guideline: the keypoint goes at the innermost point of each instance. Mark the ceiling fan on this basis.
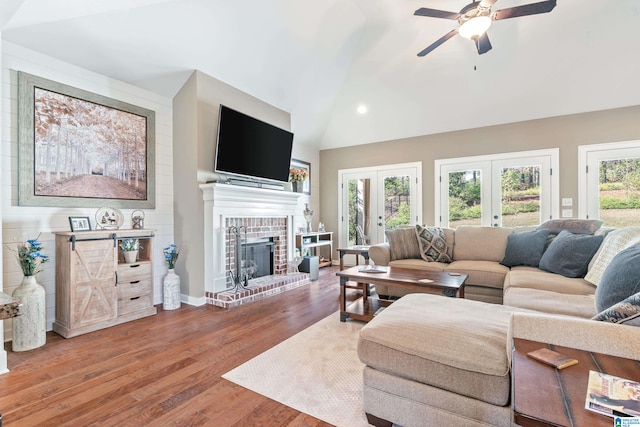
(476, 17)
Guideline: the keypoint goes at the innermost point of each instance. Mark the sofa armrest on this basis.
(583, 334)
(380, 253)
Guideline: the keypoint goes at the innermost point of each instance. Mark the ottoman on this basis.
(432, 360)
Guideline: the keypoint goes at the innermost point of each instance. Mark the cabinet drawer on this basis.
(134, 288)
(134, 303)
(136, 271)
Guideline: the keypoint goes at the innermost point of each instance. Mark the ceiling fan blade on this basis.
(435, 13)
(524, 10)
(438, 42)
(483, 44)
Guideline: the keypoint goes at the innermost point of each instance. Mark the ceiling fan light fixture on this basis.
(475, 27)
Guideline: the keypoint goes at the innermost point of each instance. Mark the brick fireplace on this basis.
(265, 213)
(258, 229)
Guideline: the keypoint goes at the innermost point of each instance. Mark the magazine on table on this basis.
(372, 268)
(613, 396)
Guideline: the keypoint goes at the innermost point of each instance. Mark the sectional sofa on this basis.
(432, 360)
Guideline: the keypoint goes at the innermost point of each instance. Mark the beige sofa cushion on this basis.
(534, 278)
(453, 344)
(485, 273)
(419, 264)
(483, 293)
(480, 243)
(551, 302)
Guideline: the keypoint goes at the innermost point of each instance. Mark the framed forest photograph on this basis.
(81, 149)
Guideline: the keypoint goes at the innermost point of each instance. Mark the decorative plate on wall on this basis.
(108, 218)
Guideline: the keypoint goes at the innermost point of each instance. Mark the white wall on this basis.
(3, 353)
(20, 223)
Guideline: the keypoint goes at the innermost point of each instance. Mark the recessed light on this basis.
(362, 109)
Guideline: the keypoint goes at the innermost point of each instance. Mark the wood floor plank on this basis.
(164, 369)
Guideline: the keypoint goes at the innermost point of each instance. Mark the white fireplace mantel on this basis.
(222, 201)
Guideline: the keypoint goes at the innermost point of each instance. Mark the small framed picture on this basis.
(80, 223)
(303, 167)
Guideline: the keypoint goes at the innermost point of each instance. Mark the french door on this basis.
(609, 183)
(513, 189)
(379, 198)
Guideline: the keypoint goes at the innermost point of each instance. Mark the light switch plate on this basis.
(567, 201)
(567, 213)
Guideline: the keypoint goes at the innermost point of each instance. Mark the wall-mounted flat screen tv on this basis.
(251, 148)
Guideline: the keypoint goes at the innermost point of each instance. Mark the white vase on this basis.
(30, 327)
(171, 291)
(130, 256)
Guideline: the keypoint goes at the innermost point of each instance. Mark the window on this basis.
(609, 184)
(512, 189)
(378, 198)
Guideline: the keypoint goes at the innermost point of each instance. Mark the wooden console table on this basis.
(545, 396)
(313, 240)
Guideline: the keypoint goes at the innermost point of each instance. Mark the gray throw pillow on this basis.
(525, 248)
(433, 244)
(625, 312)
(403, 243)
(569, 254)
(621, 279)
(572, 225)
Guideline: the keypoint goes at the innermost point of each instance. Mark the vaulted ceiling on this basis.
(319, 60)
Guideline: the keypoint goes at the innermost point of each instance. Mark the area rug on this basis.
(316, 371)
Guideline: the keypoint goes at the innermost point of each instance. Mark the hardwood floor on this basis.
(165, 369)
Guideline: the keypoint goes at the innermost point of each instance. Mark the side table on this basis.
(358, 251)
(545, 396)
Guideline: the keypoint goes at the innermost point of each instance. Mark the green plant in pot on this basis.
(130, 249)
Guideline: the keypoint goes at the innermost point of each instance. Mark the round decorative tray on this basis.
(108, 218)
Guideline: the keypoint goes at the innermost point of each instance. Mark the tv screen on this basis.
(252, 148)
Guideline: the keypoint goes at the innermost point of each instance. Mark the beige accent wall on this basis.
(563, 132)
(195, 128)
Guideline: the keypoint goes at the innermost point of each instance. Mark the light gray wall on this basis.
(195, 128)
(564, 132)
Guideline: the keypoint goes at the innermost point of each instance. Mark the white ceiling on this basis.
(319, 60)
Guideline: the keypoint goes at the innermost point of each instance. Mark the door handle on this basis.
(380, 224)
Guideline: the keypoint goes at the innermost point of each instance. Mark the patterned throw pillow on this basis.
(615, 242)
(403, 243)
(433, 245)
(626, 312)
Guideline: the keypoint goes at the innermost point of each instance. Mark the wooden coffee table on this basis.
(364, 308)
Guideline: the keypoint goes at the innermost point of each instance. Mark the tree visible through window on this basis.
(619, 192)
